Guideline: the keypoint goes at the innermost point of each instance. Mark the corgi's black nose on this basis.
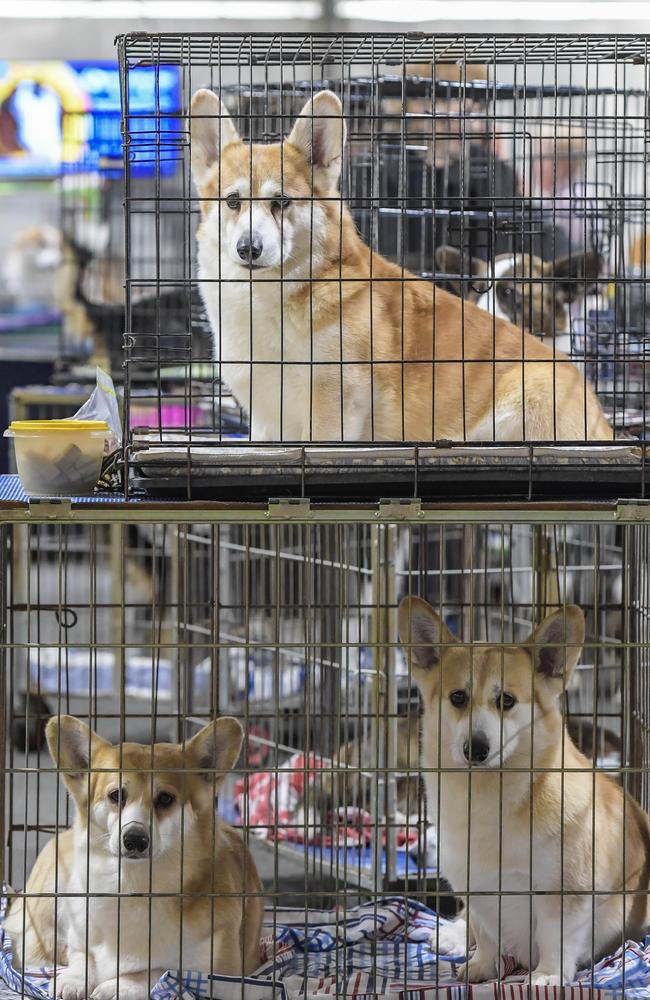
(477, 749)
(249, 247)
(135, 841)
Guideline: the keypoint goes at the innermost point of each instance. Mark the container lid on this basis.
(58, 425)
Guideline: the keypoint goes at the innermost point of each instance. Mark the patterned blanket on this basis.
(377, 950)
(274, 804)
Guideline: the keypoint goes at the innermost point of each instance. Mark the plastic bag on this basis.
(102, 405)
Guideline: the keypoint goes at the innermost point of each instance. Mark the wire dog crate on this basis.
(289, 622)
(496, 191)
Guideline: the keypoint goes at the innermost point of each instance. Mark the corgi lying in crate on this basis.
(187, 886)
(558, 855)
(321, 339)
(512, 292)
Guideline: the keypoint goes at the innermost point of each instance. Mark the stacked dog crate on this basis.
(264, 575)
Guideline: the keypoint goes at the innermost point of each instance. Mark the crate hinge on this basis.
(399, 509)
(288, 508)
(40, 507)
(633, 510)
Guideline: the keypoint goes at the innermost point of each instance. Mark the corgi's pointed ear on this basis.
(319, 133)
(556, 644)
(215, 748)
(73, 745)
(574, 275)
(211, 128)
(452, 261)
(423, 633)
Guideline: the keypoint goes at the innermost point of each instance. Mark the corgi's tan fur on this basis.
(319, 338)
(529, 817)
(199, 904)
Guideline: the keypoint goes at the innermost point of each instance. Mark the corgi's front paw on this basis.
(72, 986)
(127, 990)
(105, 991)
(450, 938)
(541, 978)
(478, 970)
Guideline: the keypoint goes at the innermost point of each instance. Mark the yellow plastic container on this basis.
(58, 457)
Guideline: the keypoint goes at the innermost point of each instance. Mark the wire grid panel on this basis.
(91, 273)
(414, 264)
(65, 652)
(90, 276)
(90, 279)
(298, 631)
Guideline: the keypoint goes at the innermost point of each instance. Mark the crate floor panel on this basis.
(199, 468)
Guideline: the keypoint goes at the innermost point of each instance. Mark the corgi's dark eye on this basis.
(118, 796)
(280, 203)
(233, 201)
(165, 800)
(458, 698)
(506, 701)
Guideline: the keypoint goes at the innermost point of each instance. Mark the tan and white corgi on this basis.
(551, 857)
(149, 877)
(321, 339)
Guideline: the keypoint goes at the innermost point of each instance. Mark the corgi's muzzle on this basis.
(477, 748)
(136, 842)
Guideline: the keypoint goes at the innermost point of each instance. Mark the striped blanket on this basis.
(376, 950)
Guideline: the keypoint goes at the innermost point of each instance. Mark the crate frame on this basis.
(382, 522)
(427, 469)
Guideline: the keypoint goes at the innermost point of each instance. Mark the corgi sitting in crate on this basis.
(148, 877)
(556, 854)
(321, 339)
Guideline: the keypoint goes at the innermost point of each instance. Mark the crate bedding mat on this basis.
(380, 949)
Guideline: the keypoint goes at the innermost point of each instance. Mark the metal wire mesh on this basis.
(147, 630)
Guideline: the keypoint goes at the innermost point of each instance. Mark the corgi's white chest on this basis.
(476, 852)
(144, 931)
(264, 346)
(484, 855)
